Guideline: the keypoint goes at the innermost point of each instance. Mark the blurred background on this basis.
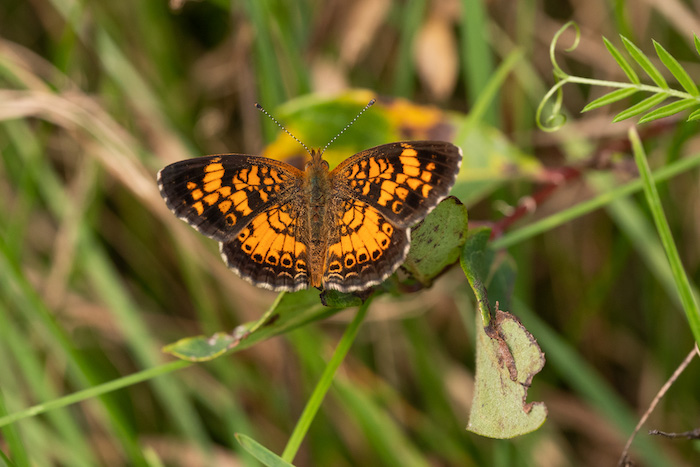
(96, 274)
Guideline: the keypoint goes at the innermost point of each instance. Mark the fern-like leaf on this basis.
(641, 107)
(668, 110)
(609, 98)
(694, 116)
(621, 61)
(676, 69)
(684, 96)
(644, 62)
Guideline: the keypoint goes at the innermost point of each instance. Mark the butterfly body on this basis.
(317, 189)
(285, 229)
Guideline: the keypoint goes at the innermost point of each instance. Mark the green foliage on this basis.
(97, 275)
(687, 98)
(507, 355)
(685, 290)
(261, 453)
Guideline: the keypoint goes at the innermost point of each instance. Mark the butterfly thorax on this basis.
(316, 191)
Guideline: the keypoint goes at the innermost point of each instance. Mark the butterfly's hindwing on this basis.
(363, 247)
(271, 251)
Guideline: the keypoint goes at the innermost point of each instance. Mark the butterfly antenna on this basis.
(369, 104)
(260, 108)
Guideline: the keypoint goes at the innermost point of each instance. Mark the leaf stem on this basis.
(638, 87)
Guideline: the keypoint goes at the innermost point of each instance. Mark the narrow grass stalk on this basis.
(13, 441)
(94, 391)
(489, 92)
(477, 56)
(690, 305)
(585, 207)
(324, 384)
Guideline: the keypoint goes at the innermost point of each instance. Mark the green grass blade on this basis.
(13, 441)
(271, 87)
(260, 452)
(324, 384)
(622, 62)
(565, 359)
(487, 96)
(477, 60)
(411, 19)
(609, 98)
(548, 223)
(94, 391)
(676, 69)
(690, 305)
(668, 110)
(644, 62)
(641, 107)
(696, 41)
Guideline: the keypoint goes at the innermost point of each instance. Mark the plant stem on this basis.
(324, 384)
(685, 291)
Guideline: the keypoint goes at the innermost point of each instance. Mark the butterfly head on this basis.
(317, 162)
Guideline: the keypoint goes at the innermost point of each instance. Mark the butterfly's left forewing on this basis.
(219, 195)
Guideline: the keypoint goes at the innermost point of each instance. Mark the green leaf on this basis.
(676, 69)
(641, 107)
(336, 299)
(290, 311)
(668, 110)
(609, 98)
(260, 452)
(436, 243)
(694, 116)
(644, 62)
(507, 358)
(697, 43)
(622, 62)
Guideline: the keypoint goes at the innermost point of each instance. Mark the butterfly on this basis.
(285, 229)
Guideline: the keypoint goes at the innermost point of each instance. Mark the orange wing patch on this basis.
(271, 250)
(219, 195)
(403, 180)
(364, 248)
